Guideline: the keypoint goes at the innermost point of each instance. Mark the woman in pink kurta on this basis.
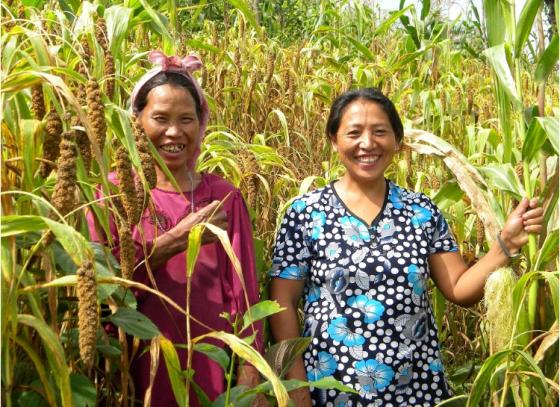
(173, 112)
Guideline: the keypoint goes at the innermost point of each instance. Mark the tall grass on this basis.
(480, 106)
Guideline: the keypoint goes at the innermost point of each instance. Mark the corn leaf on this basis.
(173, 370)
(503, 177)
(534, 139)
(244, 8)
(525, 24)
(552, 130)
(548, 251)
(548, 60)
(497, 59)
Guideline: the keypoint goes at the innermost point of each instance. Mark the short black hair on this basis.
(370, 94)
(163, 78)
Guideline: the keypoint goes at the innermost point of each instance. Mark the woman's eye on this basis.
(186, 120)
(160, 119)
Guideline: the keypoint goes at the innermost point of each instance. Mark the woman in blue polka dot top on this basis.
(360, 251)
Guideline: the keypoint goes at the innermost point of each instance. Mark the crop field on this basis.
(479, 99)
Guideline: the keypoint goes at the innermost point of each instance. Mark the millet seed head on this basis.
(95, 112)
(126, 185)
(88, 316)
(146, 159)
(51, 145)
(38, 101)
(127, 251)
(65, 187)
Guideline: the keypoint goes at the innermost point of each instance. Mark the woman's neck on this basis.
(187, 180)
(373, 190)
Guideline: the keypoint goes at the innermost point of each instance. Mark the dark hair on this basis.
(163, 78)
(370, 94)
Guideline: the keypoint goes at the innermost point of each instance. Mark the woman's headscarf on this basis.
(184, 66)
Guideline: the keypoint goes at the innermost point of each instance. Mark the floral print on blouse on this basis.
(365, 300)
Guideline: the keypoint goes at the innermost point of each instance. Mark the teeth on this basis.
(368, 160)
(172, 148)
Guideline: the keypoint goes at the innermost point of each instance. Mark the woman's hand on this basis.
(211, 213)
(526, 218)
(175, 241)
(248, 375)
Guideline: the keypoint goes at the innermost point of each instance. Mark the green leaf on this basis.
(525, 24)
(282, 355)
(259, 311)
(552, 130)
(503, 177)
(534, 139)
(548, 60)
(55, 355)
(361, 48)
(425, 9)
(495, 24)
(330, 382)
(173, 370)
(17, 224)
(134, 323)
(548, 251)
(244, 8)
(214, 352)
(193, 248)
(497, 59)
(83, 391)
(482, 381)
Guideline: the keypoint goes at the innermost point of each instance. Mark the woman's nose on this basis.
(367, 140)
(172, 130)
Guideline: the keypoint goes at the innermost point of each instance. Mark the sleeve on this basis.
(439, 233)
(240, 232)
(292, 251)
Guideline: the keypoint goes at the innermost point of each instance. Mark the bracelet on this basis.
(504, 247)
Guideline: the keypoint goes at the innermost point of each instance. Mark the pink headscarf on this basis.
(185, 66)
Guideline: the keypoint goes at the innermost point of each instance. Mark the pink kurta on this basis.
(215, 286)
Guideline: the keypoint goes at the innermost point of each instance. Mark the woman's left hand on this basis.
(526, 218)
(249, 376)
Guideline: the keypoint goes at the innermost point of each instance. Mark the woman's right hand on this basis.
(211, 213)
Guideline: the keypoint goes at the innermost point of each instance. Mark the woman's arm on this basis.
(465, 286)
(175, 240)
(285, 325)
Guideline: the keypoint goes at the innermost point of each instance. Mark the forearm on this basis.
(166, 246)
(285, 325)
(469, 287)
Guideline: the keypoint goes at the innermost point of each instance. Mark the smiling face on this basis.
(365, 141)
(170, 120)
